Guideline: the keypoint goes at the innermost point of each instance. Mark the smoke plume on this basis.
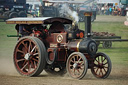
(67, 12)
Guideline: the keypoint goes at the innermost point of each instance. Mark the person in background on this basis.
(113, 10)
(110, 10)
(107, 10)
(119, 11)
(102, 10)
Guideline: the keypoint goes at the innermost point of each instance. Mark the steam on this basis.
(67, 12)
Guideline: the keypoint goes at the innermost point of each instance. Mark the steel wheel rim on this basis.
(101, 66)
(26, 57)
(76, 66)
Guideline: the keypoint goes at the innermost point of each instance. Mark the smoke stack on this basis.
(88, 24)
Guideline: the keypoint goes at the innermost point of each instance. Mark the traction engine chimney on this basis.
(88, 24)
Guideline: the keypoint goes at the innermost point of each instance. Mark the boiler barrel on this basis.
(83, 45)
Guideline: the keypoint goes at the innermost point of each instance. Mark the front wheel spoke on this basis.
(74, 71)
(78, 70)
(81, 68)
(105, 63)
(104, 70)
(82, 63)
(101, 72)
(97, 70)
(97, 61)
(105, 67)
(95, 65)
(94, 68)
(71, 65)
(79, 59)
(74, 59)
(104, 60)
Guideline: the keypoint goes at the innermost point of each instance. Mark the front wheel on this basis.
(107, 44)
(102, 66)
(29, 56)
(77, 65)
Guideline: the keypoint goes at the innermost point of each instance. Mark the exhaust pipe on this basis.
(87, 20)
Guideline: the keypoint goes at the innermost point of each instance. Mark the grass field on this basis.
(118, 53)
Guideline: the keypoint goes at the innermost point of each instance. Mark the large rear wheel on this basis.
(29, 56)
(102, 66)
(77, 65)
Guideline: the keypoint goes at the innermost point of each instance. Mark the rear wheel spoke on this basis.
(24, 66)
(32, 64)
(35, 54)
(34, 59)
(25, 46)
(29, 48)
(20, 60)
(29, 67)
(20, 51)
(35, 64)
(33, 49)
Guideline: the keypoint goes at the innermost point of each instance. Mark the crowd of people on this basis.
(112, 10)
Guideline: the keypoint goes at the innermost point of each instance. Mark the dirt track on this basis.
(9, 76)
(117, 77)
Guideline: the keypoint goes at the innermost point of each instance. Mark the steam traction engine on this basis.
(54, 45)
